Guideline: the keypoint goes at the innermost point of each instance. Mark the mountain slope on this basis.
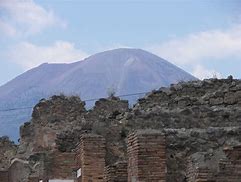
(123, 70)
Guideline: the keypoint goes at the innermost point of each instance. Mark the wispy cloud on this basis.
(195, 49)
(25, 17)
(29, 55)
(7, 28)
(200, 72)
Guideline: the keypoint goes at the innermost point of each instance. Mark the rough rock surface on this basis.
(198, 117)
(50, 118)
(58, 123)
(7, 151)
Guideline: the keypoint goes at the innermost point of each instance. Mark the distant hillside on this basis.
(122, 71)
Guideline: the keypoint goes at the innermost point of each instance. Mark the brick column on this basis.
(78, 162)
(196, 174)
(33, 179)
(4, 176)
(92, 158)
(230, 168)
(146, 156)
(116, 172)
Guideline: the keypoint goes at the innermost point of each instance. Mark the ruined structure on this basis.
(199, 120)
(7, 151)
(146, 156)
(116, 172)
(91, 158)
(226, 169)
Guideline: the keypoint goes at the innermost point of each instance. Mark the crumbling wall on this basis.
(202, 166)
(198, 116)
(192, 119)
(50, 118)
(230, 168)
(62, 165)
(196, 104)
(208, 167)
(7, 151)
(183, 143)
(101, 120)
(19, 171)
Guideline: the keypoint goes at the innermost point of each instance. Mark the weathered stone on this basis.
(196, 116)
(7, 151)
(216, 101)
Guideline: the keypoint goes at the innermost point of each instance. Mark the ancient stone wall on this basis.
(50, 118)
(230, 168)
(19, 171)
(199, 116)
(62, 165)
(206, 167)
(190, 105)
(146, 156)
(60, 121)
(93, 153)
(183, 143)
(43, 166)
(101, 120)
(190, 118)
(197, 172)
(7, 151)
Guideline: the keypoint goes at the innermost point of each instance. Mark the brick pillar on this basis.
(4, 176)
(33, 179)
(195, 174)
(92, 158)
(146, 156)
(230, 168)
(116, 172)
(78, 162)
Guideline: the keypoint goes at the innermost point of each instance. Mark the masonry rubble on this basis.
(199, 119)
(224, 169)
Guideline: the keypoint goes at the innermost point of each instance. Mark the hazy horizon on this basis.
(201, 37)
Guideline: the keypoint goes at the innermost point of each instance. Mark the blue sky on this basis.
(202, 37)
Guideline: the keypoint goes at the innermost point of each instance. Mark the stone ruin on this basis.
(146, 156)
(87, 162)
(198, 121)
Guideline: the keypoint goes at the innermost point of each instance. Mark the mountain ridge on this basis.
(123, 70)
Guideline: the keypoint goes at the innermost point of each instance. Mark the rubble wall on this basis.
(197, 116)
